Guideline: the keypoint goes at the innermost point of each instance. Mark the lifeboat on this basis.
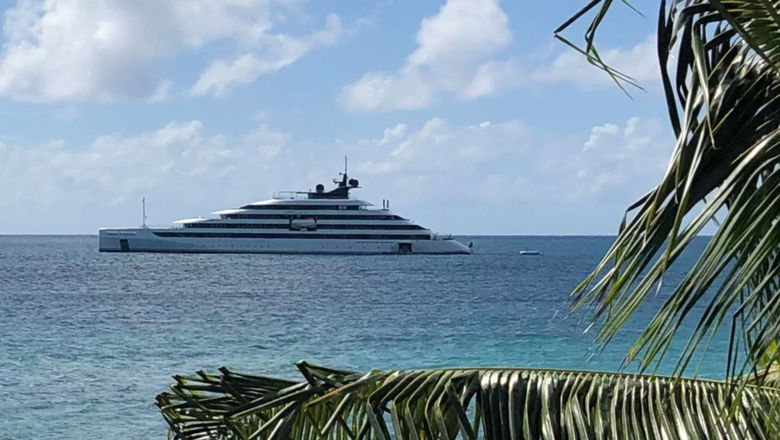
(303, 224)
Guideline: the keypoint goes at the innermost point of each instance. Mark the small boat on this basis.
(527, 252)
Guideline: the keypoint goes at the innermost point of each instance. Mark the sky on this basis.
(466, 114)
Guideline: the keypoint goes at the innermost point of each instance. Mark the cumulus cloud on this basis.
(451, 49)
(637, 151)
(107, 49)
(276, 52)
(459, 52)
(431, 171)
(509, 161)
(114, 169)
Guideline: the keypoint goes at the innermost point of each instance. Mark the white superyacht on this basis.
(292, 222)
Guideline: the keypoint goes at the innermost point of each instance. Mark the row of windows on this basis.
(304, 207)
(316, 217)
(271, 235)
(285, 226)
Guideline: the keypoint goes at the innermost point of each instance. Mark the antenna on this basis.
(143, 207)
(345, 164)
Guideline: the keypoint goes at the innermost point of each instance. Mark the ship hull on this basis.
(148, 240)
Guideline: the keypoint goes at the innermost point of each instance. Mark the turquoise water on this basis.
(88, 339)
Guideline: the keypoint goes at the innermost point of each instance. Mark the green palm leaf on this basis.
(722, 96)
(461, 403)
(758, 23)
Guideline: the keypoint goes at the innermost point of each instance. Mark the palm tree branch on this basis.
(724, 110)
(466, 403)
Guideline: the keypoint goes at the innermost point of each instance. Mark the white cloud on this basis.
(638, 151)
(116, 168)
(391, 134)
(491, 77)
(462, 31)
(276, 52)
(473, 160)
(379, 92)
(458, 53)
(107, 49)
(599, 132)
(431, 171)
(451, 49)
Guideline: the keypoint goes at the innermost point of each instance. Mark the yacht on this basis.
(292, 222)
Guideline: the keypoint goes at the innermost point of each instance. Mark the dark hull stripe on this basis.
(293, 235)
(225, 251)
(346, 207)
(287, 226)
(312, 215)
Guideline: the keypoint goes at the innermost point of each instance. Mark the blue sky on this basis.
(465, 113)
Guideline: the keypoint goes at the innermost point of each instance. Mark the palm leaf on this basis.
(722, 96)
(758, 23)
(461, 403)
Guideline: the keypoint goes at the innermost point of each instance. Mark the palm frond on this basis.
(758, 23)
(722, 97)
(461, 403)
(589, 51)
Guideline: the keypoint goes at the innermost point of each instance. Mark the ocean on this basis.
(88, 339)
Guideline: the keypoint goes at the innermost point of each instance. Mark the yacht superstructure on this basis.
(327, 222)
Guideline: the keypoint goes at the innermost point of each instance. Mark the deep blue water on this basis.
(88, 339)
